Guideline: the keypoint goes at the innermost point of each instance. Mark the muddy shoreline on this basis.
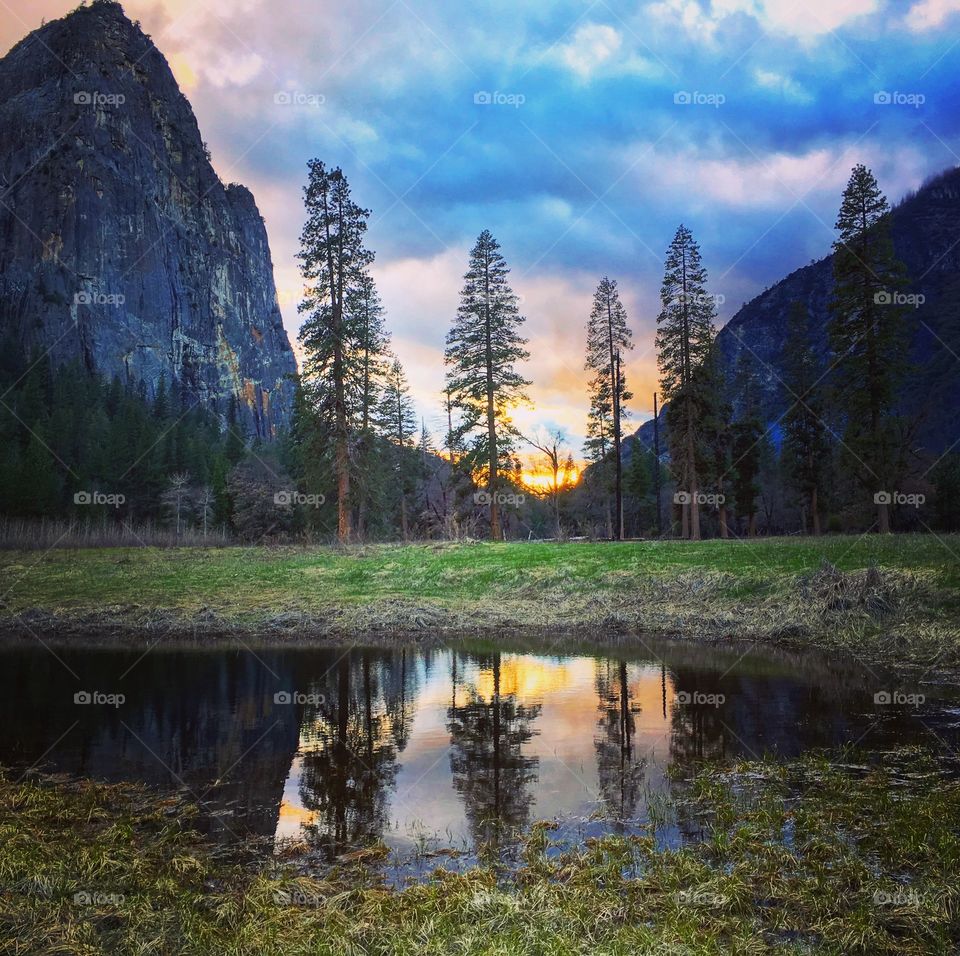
(140, 628)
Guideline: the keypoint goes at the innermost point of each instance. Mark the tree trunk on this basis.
(496, 738)
(685, 518)
(343, 480)
(617, 450)
(722, 516)
(694, 487)
(752, 526)
(341, 439)
(656, 466)
(815, 513)
(495, 532)
(883, 518)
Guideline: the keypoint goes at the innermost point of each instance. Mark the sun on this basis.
(542, 482)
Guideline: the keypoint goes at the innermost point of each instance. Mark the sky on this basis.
(580, 133)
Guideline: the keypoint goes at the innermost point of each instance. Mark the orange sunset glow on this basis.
(542, 482)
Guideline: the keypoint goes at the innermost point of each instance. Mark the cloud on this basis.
(773, 180)
(801, 20)
(930, 14)
(592, 46)
(598, 49)
(788, 88)
(590, 175)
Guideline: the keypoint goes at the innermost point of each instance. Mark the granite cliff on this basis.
(119, 245)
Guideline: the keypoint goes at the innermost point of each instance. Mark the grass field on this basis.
(897, 596)
(807, 857)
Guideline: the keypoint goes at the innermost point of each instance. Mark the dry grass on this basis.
(45, 534)
(810, 857)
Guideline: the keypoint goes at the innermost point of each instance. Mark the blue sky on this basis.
(604, 125)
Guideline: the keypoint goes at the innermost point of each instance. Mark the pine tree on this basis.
(748, 440)
(866, 333)
(483, 348)
(366, 316)
(236, 444)
(608, 337)
(597, 446)
(398, 424)
(715, 412)
(685, 335)
(333, 261)
(806, 445)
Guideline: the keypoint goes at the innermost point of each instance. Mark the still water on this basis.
(437, 751)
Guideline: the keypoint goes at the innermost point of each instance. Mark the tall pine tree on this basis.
(685, 334)
(398, 423)
(608, 337)
(483, 347)
(333, 262)
(598, 443)
(748, 440)
(866, 333)
(366, 318)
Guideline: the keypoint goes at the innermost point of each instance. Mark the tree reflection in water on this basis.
(619, 772)
(488, 729)
(350, 745)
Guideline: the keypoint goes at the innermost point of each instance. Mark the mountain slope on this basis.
(926, 235)
(119, 245)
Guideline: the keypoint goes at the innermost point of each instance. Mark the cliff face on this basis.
(926, 235)
(119, 245)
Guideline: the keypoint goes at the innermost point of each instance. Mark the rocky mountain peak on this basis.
(119, 245)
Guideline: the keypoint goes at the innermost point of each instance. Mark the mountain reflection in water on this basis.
(436, 748)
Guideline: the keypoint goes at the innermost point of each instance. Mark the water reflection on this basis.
(433, 748)
(620, 770)
(489, 728)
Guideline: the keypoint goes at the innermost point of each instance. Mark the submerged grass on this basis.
(889, 597)
(808, 857)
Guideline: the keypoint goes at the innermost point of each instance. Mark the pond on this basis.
(438, 751)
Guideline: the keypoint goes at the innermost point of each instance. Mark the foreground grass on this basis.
(906, 609)
(809, 857)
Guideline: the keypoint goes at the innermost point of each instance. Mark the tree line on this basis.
(841, 448)
(358, 463)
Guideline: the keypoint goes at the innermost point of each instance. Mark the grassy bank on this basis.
(810, 857)
(895, 597)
